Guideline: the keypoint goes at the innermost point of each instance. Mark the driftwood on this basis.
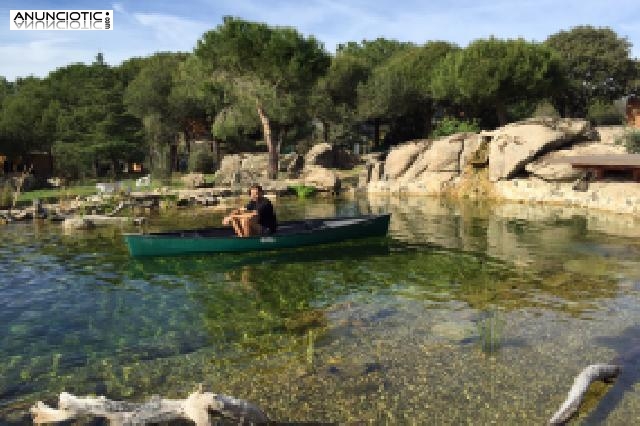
(197, 407)
(593, 373)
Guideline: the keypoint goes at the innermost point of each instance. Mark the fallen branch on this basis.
(196, 407)
(595, 372)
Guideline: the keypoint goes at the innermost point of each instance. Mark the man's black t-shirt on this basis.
(266, 214)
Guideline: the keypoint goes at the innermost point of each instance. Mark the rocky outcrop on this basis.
(401, 157)
(513, 146)
(623, 197)
(548, 169)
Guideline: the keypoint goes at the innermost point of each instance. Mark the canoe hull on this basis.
(333, 230)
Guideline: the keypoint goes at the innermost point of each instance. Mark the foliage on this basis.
(398, 91)
(604, 113)
(201, 161)
(497, 73)
(545, 108)
(303, 191)
(26, 122)
(597, 65)
(270, 68)
(452, 125)
(631, 141)
(6, 194)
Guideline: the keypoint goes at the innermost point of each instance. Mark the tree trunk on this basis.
(501, 110)
(325, 131)
(271, 147)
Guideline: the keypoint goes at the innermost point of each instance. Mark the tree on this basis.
(598, 65)
(498, 73)
(272, 68)
(334, 98)
(23, 126)
(91, 126)
(399, 90)
(147, 97)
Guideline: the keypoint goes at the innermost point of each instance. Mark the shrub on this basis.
(303, 191)
(451, 125)
(631, 141)
(6, 194)
(545, 109)
(601, 113)
(201, 161)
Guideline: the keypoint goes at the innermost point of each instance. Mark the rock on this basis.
(328, 156)
(364, 177)
(401, 157)
(610, 134)
(440, 155)
(321, 178)
(455, 330)
(428, 183)
(320, 155)
(377, 171)
(474, 150)
(544, 169)
(78, 223)
(513, 146)
(291, 164)
(193, 180)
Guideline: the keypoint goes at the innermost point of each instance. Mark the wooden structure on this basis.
(600, 165)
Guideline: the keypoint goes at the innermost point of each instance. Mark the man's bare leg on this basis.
(237, 226)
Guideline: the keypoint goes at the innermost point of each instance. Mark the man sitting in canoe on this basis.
(257, 218)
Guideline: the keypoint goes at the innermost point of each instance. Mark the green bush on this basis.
(201, 161)
(545, 109)
(601, 113)
(303, 191)
(451, 125)
(631, 141)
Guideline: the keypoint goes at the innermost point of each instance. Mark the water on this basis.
(467, 313)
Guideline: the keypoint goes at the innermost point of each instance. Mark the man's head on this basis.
(255, 192)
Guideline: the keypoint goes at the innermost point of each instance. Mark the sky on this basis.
(143, 27)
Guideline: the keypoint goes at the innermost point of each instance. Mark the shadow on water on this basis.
(141, 268)
(627, 347)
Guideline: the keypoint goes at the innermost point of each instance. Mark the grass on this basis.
(72, 191)
(88, 187)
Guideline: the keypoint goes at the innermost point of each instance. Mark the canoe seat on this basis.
(339, 223)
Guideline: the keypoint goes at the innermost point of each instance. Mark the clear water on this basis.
(466, 314)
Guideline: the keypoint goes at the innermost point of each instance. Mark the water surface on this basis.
(467, 313)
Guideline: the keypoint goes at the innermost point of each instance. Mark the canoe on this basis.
(295, 233)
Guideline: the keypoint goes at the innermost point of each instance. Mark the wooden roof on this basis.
(610, 160)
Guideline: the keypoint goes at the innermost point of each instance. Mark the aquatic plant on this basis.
(303, 191)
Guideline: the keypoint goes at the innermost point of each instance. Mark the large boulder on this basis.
(442, 155)
(401, 157)
(513, 146)
(547, 167)
(321, 178)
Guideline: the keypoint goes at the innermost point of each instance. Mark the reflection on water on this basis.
(467, 313)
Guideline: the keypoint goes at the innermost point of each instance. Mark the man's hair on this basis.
(256, 186)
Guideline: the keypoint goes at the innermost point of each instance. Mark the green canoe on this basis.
(290, 234)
